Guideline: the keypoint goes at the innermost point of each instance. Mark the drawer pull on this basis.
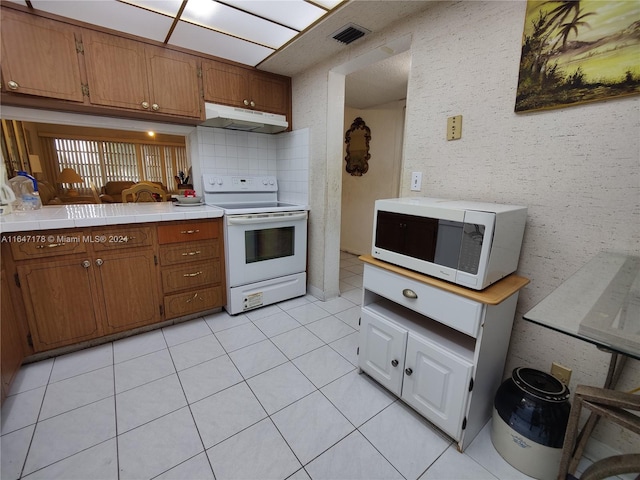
(51, 245)
(194, 298)
(192, 274)
(189, 232)
(394, 363)
(408, 371)
(407, 292)
(191, 254)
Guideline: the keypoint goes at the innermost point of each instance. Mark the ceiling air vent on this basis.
(350, 33)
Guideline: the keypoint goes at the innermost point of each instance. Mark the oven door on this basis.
(264, 246)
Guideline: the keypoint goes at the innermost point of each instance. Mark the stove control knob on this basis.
(271, 182)
(265, 181)
(219, 181)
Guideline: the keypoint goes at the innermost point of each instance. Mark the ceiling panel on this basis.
(110, 14)
(245, 31)
(296, 14)
(200, 39)
(236, 23)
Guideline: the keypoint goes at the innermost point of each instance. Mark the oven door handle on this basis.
(239, 220)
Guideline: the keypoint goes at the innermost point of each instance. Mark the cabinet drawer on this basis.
(186, 232)
(179, 253)
(117, 238)
(192, 302)
(189, 276)
(47, 244)
(447, 308)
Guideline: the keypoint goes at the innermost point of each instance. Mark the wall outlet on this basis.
(561, 372)
(416, 181)
(454, 127)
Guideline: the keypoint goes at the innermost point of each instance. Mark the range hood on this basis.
(235, 118)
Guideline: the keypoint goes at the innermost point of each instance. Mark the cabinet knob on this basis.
(408, 371)
(145, 104)
(99, 262)
(407, 292)
(394, 363)
(86, 264)
(246, 102)
(155, 107)
(13, 85)
(252, 103)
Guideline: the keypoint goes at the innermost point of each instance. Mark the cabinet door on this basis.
(116, 71)
(11, 351)
(226, 84)
(382, 350)
(173, 82)
(129, 285)
(59, 299)
(436, 384)
(39, 57)
(270, 93)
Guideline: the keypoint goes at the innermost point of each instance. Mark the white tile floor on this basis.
(272, 394)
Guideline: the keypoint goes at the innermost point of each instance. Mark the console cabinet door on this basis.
(382, 350)
(436, 384)
(128, 284)
(59, 298)
(39, 57)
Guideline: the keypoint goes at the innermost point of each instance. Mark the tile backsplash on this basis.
(230, 152)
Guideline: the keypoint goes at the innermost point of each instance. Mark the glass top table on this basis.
(600, 304)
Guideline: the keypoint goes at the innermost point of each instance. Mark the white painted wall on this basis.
(381, 180)
(577, 168)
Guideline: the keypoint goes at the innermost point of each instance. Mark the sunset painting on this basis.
(577, 51)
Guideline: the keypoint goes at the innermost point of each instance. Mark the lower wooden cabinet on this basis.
(60, 299)
(11, 340)
(192, 267)
(82, 284)
(127, 284)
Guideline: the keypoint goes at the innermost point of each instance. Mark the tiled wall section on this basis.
(230, 152)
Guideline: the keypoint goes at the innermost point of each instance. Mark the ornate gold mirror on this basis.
(357, 140)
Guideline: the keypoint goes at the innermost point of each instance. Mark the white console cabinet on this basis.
(439, 347)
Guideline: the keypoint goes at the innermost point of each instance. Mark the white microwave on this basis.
(472, 244)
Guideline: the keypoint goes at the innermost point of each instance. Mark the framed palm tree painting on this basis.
(577, 51)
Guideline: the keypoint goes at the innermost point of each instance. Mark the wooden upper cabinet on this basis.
(39, 57)
(116, 71)
(225, 83)
(173, 82)
(124, 73)
(246, 88)
(270, 93)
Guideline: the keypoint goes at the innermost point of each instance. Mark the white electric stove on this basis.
(265, 241)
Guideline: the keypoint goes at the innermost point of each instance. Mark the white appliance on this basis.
(235, 118)
(472, 244)
(265, 241)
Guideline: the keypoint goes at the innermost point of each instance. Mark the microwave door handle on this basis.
(250, 221)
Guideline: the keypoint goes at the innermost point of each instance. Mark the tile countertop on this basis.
(91, 215)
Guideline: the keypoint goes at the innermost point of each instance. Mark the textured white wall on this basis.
(577, 168)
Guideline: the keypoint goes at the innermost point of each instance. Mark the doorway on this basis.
(377, 95)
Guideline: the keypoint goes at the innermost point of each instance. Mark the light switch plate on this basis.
(454, 127)
(416, 181)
